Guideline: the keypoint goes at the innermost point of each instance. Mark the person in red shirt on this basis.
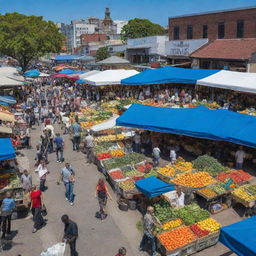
(36, 205)
(121, 252)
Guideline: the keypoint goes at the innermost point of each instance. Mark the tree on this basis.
(102, 53)
(120, 54)
(137, 28)
(26, 38)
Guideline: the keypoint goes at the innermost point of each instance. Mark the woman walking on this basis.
(102, 194)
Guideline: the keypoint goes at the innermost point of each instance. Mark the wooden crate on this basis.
(242, 201)
(207, 241)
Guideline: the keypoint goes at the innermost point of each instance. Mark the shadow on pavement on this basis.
(227, 253)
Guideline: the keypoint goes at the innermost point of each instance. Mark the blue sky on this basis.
(156, 10)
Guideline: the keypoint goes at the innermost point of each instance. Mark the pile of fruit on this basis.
(172, 224)
(207, 192)
(194, 180)
(103, 147)
(144, 167)
(218, 189)
(208, 164)
(247, 192)
(192, 213)
(198, 231)
(116, 175)
(236, 175)
(126, 185)
(153, 172)
(176, 238)
(167, 171)
(117, 153)
(209, 224)
(164, 212)
(182, 166)
(110, 137)
(132, 173)
(103, 156)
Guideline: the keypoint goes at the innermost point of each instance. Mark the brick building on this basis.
(89, 38)
(226, 24)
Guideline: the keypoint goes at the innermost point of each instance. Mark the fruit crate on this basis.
(185, 250)
(164, 178)
(243, 201)
(207, 241)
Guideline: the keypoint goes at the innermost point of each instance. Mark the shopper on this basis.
(240, 155)
(149, 222)
(156, 155)
(102, 194)
(26, 181)
(173, 155)
(89, 144)
(7, 207)
(42, 173)
(76, 128)
(67, 176)
(59, 142)
(36, 205)
(70, 234)
(121, 252)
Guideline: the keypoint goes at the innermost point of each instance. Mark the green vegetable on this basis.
(208, 164)
(164, 212)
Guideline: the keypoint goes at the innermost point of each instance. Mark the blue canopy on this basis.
(199, 122)
(240, 237)
(68, 71)
(152, 187)
(80, 81)
(32, 73)
(4, 103)
(8, 99)
(168, 75)
(67, 57)
(6, 149)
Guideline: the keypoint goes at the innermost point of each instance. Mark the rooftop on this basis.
(212, 12)
(233, 49)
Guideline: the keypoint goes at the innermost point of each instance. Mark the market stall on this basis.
(240, 237)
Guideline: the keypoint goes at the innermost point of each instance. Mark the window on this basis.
(176, 33)
(240, 29)
(189, 32)
(221, 30)
(205, 31)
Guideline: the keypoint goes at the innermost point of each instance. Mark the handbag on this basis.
(43, 210)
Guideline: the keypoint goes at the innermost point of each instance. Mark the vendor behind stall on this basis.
(179, 200)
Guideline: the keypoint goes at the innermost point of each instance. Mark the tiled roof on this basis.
(236, 49)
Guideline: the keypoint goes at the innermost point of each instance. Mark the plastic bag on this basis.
(56, 250)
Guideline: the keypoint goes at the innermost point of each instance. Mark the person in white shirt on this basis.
(240, 155)
(156, 155)
(180, 197)
(173, 155)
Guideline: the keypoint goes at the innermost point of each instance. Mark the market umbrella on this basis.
(32, 73)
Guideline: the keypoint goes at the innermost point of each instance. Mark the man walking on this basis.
(76, 128)
(67, 175)
(89, 144)
(70, 234)
(59, 142)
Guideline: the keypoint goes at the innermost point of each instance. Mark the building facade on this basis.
(227, 24)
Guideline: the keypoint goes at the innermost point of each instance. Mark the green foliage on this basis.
(119, 54)
(26, 38)
(137, 28)
(102, 53)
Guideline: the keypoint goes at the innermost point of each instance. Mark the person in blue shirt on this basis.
(8, 205)
(59, 142)
(76, 128)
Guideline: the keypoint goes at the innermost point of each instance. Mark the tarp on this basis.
(200, 122)
(113, 60)
(67, 57)
(89, 73)
(152, 187)
(67, 71)
(109, 77)
(8, 99)
(6, 149)
(7, 116)
(240, 237)
(32, 73)
(11, 72)
(236, 81)
(109, 124)
(167, 75)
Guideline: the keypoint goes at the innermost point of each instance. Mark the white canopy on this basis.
(6, 81)
(110, 77)
(43, 75)
(236, 81)
(11, 73)
(89, 73)
(109, 124)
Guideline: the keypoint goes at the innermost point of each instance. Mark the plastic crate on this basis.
(207, 241)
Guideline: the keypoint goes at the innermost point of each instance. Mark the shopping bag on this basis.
(44, 210)
(56, 250)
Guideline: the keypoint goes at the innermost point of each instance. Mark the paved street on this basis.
(95, 237)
